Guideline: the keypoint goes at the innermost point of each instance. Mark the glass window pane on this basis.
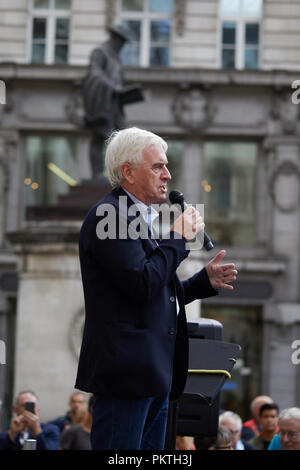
(62, 29)
(40, 151)
(62, 4)
(133, 5)
(251, 34)
(159, 56)
(39, 28)
(228, 33)
(251, 58)
(38, 53)
(252, 8)
(228, 58)
(61, 54)
(165, 6)
(229, 173)
(230, 7)
(41, 4)
(160, 31)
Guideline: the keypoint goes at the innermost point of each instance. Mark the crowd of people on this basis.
(268, 429)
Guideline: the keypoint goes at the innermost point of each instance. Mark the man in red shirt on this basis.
(256, 404)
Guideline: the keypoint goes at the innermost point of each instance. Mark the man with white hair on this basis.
(289, 429)
(134, 354)
(233, 422)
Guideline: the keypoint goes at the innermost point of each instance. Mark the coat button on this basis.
(172, 331)
(172, 299)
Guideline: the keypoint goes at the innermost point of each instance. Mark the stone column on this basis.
(284, 187)
(192, 169)
(50, 311)
(281, 316)
(3, 188)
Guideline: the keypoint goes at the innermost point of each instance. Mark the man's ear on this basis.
(127, 172)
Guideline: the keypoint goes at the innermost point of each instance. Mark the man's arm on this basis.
(210, 280)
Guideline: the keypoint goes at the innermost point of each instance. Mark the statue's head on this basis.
(119, 35)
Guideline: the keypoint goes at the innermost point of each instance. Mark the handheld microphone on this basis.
(176, 197)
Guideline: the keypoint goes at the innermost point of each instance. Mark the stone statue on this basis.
(104, 95)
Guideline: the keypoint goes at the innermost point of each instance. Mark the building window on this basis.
(149, 23)
(229, 192)
(240, 27)
(50, 31)
(50, 169)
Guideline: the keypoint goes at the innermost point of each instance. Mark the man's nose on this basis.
(166, 174)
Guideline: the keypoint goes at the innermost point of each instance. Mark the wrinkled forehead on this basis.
(154, 153)
(291, 424)
(26, 397)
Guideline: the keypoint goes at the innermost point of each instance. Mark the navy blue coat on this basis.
(134, 344)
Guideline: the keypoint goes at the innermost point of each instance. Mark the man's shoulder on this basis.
(49, 428)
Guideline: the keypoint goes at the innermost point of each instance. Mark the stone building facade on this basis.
(234, 140)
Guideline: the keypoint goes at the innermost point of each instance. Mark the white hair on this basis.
(232, 416)
(289, 413)
(127, 145)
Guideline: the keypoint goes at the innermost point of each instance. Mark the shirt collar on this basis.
(143, 207)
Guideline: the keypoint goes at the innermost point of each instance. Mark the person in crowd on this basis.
(75, 414)
(251, 427)
(223, 440)
(288, 437)
(78, 437)
(185, 443)
(26, 425)
(233, 422)
(268, 419)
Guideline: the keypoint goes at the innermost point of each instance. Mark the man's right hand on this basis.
(16, 426)
(189, 223)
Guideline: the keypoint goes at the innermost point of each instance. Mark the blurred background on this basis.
(217, 77)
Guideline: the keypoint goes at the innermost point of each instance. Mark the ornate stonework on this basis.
(192, 110)
(74, 109)
(285, 111)
(286, 176)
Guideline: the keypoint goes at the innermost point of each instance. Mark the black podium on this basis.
(211, 361)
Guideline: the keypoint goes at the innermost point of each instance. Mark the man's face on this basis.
(232, 426)
(269, 420)
(77, 402)
(290, 434)
(148, 181)
(19, 407)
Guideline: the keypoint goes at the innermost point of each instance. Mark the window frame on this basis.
(145, 17)
(240, 22)
(51, 15)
